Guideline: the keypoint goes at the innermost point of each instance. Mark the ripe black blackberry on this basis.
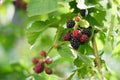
(87, 31)
(70, 23)
(75, 43)
(84, 12)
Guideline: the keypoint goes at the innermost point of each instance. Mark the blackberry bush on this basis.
(82, 44)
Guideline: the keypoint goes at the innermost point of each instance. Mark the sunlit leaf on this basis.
(37, 7)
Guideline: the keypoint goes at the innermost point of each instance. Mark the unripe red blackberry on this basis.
(76, 33)
(75, 42)
(77, 18)
(21, 4)
(87, 31)
(48, 61)
(83, 38)
(38, 68)
(43, 53)
(35, 60)
(70, 23)
(66, 37)
(48, 71)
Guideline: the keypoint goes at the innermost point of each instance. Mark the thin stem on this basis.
(55, 40)
(97, 59)
(50, 49)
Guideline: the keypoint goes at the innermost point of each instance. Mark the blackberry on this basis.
(48, 71)
(35, 60)
(83, 38)
(66, 37)
(43, 53)
(76, 33)
(83, 12)
(38, 68)
(75, 42)
(87, 31)
(48, 61)
(70, 23)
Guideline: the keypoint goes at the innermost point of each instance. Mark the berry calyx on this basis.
(48, 71)
(35, 60)
(87, 31)
(76, 33)
(77, 18)
(66, 37)
(83, 38)
(48, 61)
(75, 43)
(38, 68)
(70, 23)
(43, 53)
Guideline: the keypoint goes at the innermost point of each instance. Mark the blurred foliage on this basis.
(26, 31)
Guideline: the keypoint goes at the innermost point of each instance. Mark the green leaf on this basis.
(100, 17)
(39, 77)
(116, 51)
(71, 76)
(34, 31)
(86, 49)
(92, 21)
(65, 51)
(37, 7)
(77, 62)
(37, 28)
(85, 59)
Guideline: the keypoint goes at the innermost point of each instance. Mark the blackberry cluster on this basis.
(40, 63)
(78, 36)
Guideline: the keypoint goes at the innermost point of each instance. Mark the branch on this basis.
(97, 59)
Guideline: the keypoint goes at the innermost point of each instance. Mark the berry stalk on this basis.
(97, 59)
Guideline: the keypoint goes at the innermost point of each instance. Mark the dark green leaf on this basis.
(78, 62)
(86, 49)
(85, 59)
